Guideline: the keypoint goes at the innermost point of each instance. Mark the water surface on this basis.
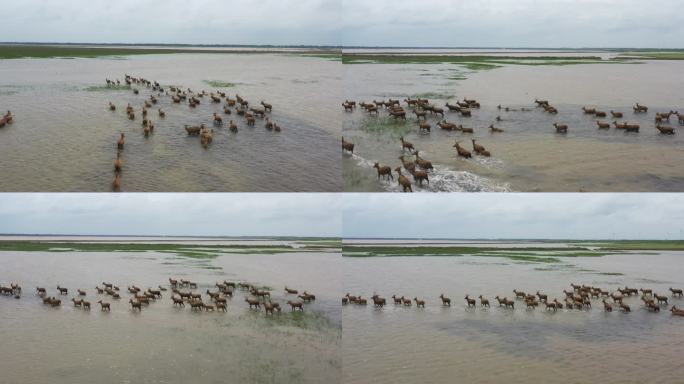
(439, 345)
(529, 155)
(164, 344)
(64, 136)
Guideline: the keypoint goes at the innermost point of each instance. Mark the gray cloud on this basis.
(278, 22)
(520, 23)
(553, 216)
(230, 214)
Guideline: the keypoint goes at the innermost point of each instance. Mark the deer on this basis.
(470, 302)
(445, 300)
(383, 170)
(561, 128)
(462, 152)
(296, 305)
(403, 181)
(406, 144)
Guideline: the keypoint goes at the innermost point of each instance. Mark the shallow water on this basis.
(64, 136)
(529, 155)
(164, 344)
(439, 344)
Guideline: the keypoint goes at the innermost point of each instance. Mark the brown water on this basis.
(529, 155)
(164, 344)
(64, 136)
(444, 345)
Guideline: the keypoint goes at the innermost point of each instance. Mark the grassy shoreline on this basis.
(197, 251)
(39, 51)
(534, 254)
(473, 62)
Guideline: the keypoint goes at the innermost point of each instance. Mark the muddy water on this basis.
(440, 345)
(164, 344)
(529, 155)
(64, 136)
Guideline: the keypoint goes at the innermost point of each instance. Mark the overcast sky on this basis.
(228, 214)
(462, 23)
(277, 22)
(521, 216)
(514, 23)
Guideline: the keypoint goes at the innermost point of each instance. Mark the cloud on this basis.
(278, 22)
(526, 216)
(229, 214)
(520, 23)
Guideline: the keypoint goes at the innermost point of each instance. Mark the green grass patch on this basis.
(480, 66)
(308, 320)
(472, 62)
(386, 125)
(186, 250)
(652, 55)
(219, 84)
(44, 51)
(639, 245)
(528, 254)
(104, 88)
(433, 95)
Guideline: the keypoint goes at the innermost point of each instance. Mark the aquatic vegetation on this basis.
(433, 95)
(652, 55)
(103, 88)
(473, 62)
(527, 254)
(183, 250)
(44, 51)
(219, 83)
(308, 320)
(386, 125)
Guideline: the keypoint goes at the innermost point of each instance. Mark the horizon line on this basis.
(329, 46)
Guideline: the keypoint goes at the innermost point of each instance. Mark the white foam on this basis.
(444, 179)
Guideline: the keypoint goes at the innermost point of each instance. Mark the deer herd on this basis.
(182, 293)
(422, 108)
(237, 106)
(579, 297)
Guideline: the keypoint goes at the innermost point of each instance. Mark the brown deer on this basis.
(484, 302)
(383, 170)
(296, 305)
(445, 300)
(403, 181)
(665, 129)
(607, 306)
(676, 291)
(676, 311)
(419, 303)
(347, 146)
(462, 152)
(470, 302)
(494, 129)
(561, 128)
(406, 144)
(602, 125)
(253, 303)
(135, 305)
(660, 299)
